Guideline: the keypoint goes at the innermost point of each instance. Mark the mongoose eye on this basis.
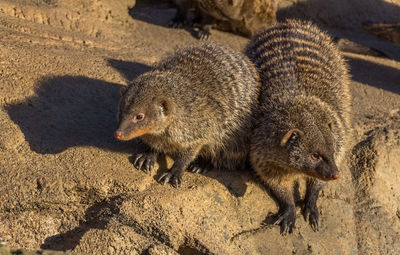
(138, 117)
(316, 157)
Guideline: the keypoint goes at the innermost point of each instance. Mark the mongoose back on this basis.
(304, 122)
(197, 104)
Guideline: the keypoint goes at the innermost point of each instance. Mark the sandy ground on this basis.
(67, 185)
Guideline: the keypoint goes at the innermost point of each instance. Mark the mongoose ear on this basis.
(291, 134)
(122, 91)
(166, 106)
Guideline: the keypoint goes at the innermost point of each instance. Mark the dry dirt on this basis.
(67, 185)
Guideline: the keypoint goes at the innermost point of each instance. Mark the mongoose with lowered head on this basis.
(195, 105)
(304, 123)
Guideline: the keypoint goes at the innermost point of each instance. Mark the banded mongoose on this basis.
(244, 17)
(304, 123)
(195, 105)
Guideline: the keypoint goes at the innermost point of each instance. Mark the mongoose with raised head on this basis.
(245, 17)
(197, 104)
(304, 123)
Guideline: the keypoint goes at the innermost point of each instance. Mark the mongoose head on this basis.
(143, 109)
(311, 150)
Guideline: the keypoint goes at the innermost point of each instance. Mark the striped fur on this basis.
(304, 87)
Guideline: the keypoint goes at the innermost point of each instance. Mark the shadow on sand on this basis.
(97, 216)
(378, 76)
(69, 111)
(153, 12)
(312, 9)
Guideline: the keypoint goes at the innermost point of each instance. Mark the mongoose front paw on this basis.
(171, 177)
(145, 161)
(286, 220)
(310, 213)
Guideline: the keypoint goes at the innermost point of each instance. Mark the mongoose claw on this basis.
(200, 166)
(176, 182)
(203, 35)
(173, 24)
(177, 23)
(195, 168)
(165, 177)
(145, 162)
(287, 220)
(170, 177)
(311, 215)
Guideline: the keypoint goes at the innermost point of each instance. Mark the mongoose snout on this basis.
(328, 171)
(123, 136)
(118, 135)
(325, 171)
(129, 129)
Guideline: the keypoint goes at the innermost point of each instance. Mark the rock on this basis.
(388, 32)
(94, 18)
(346, 45)
(374, 166)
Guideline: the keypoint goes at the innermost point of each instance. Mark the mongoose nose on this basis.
(335, 176)
(118, 134)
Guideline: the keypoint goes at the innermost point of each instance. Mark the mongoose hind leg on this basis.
(145, 161)
(181, 163)
(283, 192)
(310, 210)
